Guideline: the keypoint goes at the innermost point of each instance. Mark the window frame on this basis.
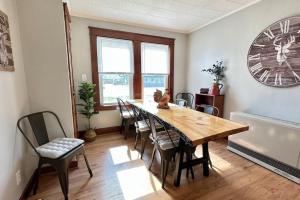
(128, 44)
(137, 39)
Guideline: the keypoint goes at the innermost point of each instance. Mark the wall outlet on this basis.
(83, 77)
(18, 177)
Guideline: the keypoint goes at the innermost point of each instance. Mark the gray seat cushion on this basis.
(127, 114)
(58, 147)
(164, 141)
(142, 125)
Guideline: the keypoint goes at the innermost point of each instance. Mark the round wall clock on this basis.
(274, 56)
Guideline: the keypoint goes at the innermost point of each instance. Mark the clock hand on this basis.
(279, 49)
(288, 64)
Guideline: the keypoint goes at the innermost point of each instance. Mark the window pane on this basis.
(151, 83)
(113, 86)
(114, 55)
(155, 58)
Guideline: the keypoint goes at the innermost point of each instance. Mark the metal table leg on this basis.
(205, 159)
(180, 164)
(179, 161)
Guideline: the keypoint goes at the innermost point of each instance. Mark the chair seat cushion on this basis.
(58, 147)
(164, 140)
(127, 114)
(143, 125)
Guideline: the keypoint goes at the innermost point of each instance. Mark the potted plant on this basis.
(217, 70)
(86, 94)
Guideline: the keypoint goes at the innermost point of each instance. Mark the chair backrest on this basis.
(136, 113)
(209, 109)
(140, 115)
(189, 97)
(181, 102)
(38, 126)
(122, 107)
(153, 122)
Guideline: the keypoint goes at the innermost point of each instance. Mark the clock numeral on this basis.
(285, 27)
(264, 77)
(254, 57)
(259, 45)
(269, 33)
(278, 80)
(256, 68)
(297, 77)
(299, 31)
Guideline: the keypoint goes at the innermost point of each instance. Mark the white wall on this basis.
(45, 57)
(229, 39)
(13, 104)
(82, 60)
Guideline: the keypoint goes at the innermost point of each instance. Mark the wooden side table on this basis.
(213, 100)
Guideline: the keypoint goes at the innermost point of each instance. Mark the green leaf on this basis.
(86, 94)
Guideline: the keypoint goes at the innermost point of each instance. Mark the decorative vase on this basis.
(216, 88)
(90, 135)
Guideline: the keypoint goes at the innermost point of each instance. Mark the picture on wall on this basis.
(6, 57)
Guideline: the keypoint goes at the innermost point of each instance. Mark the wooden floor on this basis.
(120, 174)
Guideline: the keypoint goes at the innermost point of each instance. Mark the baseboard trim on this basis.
(278, 167)
(47, 169)
(100, 131)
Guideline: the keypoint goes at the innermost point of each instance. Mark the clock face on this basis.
(274, 56)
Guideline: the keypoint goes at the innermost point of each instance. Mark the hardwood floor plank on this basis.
(119, 173)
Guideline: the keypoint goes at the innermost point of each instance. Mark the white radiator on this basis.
(272, 143)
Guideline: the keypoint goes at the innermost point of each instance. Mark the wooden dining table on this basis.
(195, 128)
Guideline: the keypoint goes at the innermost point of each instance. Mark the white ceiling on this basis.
(182, 16)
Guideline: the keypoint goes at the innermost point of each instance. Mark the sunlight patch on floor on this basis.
(137, 182)
(123, 154)
(218, 162)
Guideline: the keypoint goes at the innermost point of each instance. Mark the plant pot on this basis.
(90, 135)
(216, 88)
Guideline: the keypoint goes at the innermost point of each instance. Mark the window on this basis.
(155, 68)
(115, 65)
(129, 65)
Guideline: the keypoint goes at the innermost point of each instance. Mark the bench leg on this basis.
(126, 128)
(122, 126)
(63, 176)
(165, 167)
(88, 165)
(136, 139)
(36, 184)
(143, 146)
(152, 157)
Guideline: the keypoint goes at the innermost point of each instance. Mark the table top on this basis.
(197, 126)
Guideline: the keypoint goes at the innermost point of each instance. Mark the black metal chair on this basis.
(181, 102)
(126, 115)
(166, 142)
(188, 97)
(57, 152)
(209, 109)
(142, 127)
